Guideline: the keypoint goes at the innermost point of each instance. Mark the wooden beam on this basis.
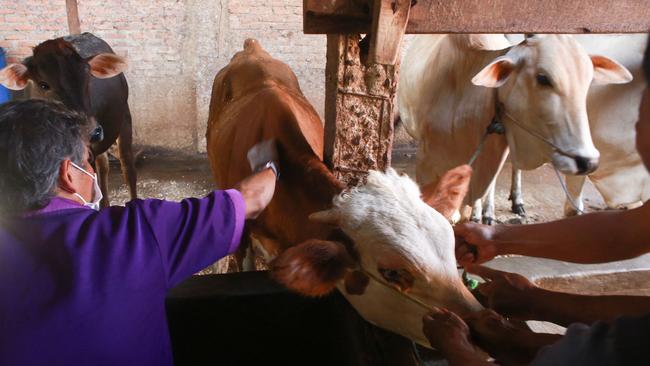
(487, 16)
(388, 26)
(71, 8)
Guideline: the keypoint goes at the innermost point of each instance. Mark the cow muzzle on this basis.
(575, 164)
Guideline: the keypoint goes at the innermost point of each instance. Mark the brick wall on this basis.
(174, 47)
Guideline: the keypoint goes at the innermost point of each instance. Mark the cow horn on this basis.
(330, 217)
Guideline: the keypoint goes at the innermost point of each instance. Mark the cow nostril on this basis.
(586, 165)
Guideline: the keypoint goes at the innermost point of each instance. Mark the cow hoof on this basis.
(475, 219)
(518, 209)
(487, 220)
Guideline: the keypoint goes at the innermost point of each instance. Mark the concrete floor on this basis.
(176, 176)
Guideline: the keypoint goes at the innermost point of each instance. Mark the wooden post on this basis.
(72, 10)
(388, 27)
(358, 109)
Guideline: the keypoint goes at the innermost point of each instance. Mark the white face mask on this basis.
(97, 192)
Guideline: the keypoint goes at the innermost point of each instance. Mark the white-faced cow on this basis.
(452, 86)
(381, 230)
(613, 111)
(83, 72)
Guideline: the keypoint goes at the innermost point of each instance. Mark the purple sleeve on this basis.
(194, 233)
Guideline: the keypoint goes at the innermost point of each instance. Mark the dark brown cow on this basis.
(83, 72)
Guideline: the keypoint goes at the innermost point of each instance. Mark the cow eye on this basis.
(543, 80)
(43, 85)
(400, 278)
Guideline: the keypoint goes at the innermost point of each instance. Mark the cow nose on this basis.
(586, 165)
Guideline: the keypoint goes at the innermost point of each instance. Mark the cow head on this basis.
(543, 84)
(55, 71)
(401, 245)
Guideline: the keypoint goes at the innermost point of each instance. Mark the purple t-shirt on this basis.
(81, 287)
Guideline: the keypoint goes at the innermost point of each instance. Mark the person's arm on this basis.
(593, 238)
(258, 188)
(564, 309)
(257, 191)
(449, 334)
(508, 342)
(515, 296)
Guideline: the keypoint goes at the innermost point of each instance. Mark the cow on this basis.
(377, 243)
(621, 178)
(452, 86)
(84, 73)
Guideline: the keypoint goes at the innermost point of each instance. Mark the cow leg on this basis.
(101, 163)
(516, 196)
(488, 208)
(127, 159)
(477, 210)
(244, 253)
(248, 261)
(574, 184)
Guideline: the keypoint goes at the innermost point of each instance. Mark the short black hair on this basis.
(35, 137)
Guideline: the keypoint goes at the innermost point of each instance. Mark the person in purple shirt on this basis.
(83, 286)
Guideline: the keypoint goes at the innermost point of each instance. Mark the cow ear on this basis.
(14, 76)
(608, 71)
(312, 268)
(107, 65)
(496, 73)
(447, 195)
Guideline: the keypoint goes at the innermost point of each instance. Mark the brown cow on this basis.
(256, 98)
(390, 242)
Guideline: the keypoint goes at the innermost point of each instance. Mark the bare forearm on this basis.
(564, 309)
(464, 355)
(592, 238)
(257, 191)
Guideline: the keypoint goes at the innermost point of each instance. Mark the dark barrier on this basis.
(246, 319)
(4, 92)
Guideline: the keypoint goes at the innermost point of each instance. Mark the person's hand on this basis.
(444, 328)
(474, 243)
(261, 154)
(507, 293)
(505, 340)
(448, 333)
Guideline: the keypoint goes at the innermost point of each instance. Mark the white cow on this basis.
(400, 246)
(450, 85)
(613, 110)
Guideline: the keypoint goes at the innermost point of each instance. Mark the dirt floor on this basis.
(175, 176)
